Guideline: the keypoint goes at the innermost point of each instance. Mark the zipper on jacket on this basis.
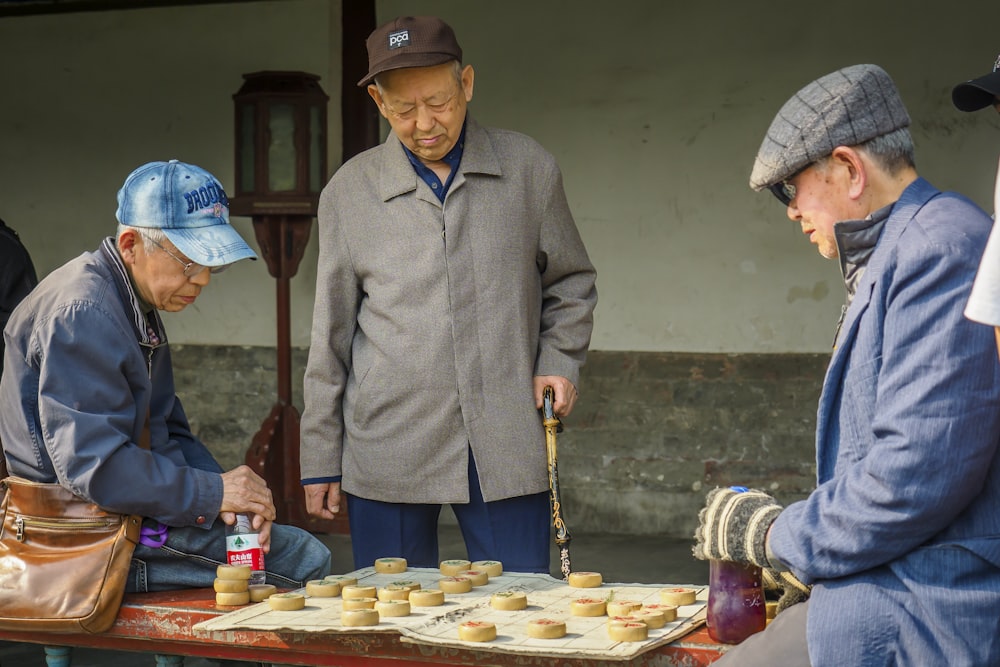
(840, 323)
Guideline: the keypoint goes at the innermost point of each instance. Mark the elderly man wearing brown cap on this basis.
(984, 302)
(453, 287)
(900, 540)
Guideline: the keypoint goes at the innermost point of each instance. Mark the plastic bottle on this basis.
(243, 547)
(736, 607)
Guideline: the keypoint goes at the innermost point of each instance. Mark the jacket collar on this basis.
(397, 176)
(856, 241)
(146, 321)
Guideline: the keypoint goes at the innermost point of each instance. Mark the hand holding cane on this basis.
(553, 426)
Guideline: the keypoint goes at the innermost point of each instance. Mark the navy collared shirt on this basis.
(452, 159)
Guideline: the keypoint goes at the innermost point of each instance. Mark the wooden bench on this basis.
(161, 623)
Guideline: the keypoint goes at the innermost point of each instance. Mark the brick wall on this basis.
(652, 431)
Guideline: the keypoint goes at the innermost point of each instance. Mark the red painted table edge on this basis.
(162, 623)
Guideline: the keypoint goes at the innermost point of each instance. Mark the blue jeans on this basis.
(190, 556)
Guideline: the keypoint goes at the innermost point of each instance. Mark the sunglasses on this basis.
(785, 191)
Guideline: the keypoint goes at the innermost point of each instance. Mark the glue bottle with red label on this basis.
(243, 547)
(735, 599)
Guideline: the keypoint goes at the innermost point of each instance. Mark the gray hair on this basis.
(456, 70)
(150, 236)
(892, 151)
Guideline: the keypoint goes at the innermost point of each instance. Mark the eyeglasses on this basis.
(191, 269)
(411, 113)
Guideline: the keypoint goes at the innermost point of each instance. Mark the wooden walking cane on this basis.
(553, 426)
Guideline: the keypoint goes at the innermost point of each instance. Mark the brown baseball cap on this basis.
(410, 41)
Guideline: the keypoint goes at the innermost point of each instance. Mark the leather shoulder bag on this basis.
(63, 560)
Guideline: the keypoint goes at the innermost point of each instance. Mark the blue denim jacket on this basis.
(83, 365)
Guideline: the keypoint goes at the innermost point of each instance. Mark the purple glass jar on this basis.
(735, 601)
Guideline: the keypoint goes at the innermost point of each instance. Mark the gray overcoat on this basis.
(431, 319)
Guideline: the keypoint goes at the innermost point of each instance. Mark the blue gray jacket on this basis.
(901, 538)
(83, 364)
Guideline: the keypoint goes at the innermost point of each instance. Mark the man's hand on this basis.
(323, 500)
(564, 390)
(243, 490)
(733, 526)
(265, 534)
(786, 587)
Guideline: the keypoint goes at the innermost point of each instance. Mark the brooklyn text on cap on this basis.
(189, 205)
(410, 41)
(978, 93)
(844, 108)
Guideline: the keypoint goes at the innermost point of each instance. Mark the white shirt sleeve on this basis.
(984, 301)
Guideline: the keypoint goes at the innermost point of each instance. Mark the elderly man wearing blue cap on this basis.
(87, 378)
(900, 540)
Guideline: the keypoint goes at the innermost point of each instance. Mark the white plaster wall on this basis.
(654, 109)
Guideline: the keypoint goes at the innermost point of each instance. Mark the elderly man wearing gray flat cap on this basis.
(900, 540)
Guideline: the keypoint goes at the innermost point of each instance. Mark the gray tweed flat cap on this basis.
(845, 108)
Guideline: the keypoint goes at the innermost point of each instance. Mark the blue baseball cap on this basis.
(189, 205)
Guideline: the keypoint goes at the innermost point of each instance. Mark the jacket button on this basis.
(200, 520)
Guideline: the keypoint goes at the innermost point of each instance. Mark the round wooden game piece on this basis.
(287, 601)
(477, 631)
(390, 565)
(426, 597)
(261, 592)
(342, 579)
(632, 631)
(392, 592)
(492, 568)
(585, 579)
(546, 628)
(622, 607)
(509, 600)
(232, 599)
(477, 577)
(455, 584)
(233, 572)
(669, 610)
(388, 608)
(353, 618)
(359, 603)
(408, 584)
(358, 591)
(623, 619)
(654, 618)
(587, 607)
(321, 588)
(231, 585)
(450, 568)
(677, 596)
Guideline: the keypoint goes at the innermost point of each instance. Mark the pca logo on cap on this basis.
(399, 39)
